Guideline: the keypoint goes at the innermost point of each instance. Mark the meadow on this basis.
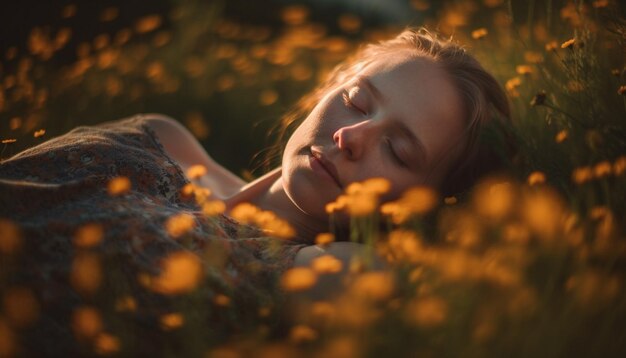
(528, 264)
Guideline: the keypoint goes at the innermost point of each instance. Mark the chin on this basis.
(306, 194)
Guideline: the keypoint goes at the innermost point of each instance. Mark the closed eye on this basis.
(394, 154)
(348, 103)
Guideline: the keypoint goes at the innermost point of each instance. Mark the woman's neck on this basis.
(268, 193)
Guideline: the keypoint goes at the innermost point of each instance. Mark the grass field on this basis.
(533, 264)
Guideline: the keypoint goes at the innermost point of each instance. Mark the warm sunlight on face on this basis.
(400, 118)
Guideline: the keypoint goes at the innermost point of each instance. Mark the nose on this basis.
(353, 140)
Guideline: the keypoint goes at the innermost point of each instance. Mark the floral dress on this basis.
(58, 193)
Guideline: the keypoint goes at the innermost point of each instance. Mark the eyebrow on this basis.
(415, 141)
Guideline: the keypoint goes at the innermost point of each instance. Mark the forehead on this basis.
(418, 92)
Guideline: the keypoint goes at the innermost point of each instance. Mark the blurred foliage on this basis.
(531, 265)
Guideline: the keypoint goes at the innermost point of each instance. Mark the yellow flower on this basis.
(214, 207)
(295, 14)
(479, 33)
(171, 321)
(221, 300)
(39, 133)
(494, 199)
(86, 274)
(180, 273)
(20, 306)
(118, 186)
(244, 212)
(148, 23)
(326, 264)
(374, 286)
(180, 224)
(582, 175)
(569, 44)
(88, 235)
(349, 23)
(561, 136)
(107, 344)
(428, 312)
(619, 166)
(126, 304)
(298, 279)
(377, 186)
(536, 178)
(512, 84)
(266, 220)
(551, 46)
(405, 245)
(196, 171)
(524, 69)
(543, 212)
(10, 237)
(415, 201)
(8, 340)
(302, 333)
(602, 169)
(86, 322)
(324, 239)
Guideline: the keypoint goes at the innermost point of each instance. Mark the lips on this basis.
(326, 164)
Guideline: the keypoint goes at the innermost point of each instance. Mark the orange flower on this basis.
(619, 166)
(10, 237)
(88, 235)
(107, 344)
(86, 274)
(213, 207)
(126, 304)
(494, 199)
(428, 312)
(148, 23)
(326, 264)
(561, 136)
(374, 286)
(569, 44)
(298, 279)
(221, 300)
(324, 239)
(180, 273)
(524, 69)
(171, 321)
(536, 178)
(479, 33)
(180, 224)
(196, 171)
(20, 306)
(119, 185)
(86, 322)
(415, 201)
(302, 333)
(582, 175)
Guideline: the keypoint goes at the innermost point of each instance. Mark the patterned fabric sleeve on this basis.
(53, 190)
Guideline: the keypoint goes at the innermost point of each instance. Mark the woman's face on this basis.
(400, 117)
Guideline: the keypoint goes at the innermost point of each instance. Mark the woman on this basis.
(412, 109)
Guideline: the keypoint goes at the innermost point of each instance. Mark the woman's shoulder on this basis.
(184, 149)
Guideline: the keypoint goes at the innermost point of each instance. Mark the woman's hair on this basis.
(486, 106)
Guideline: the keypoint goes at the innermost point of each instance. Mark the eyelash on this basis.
(346, 100)
(395, 156)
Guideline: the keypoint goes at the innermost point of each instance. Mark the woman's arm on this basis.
(183, 147)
